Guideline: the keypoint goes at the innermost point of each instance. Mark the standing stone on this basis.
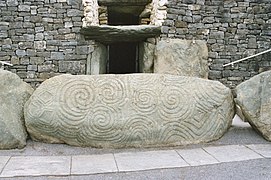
(13, 95)
(182, 57)
(98, 60)
(254, 99)
(146, 57)
(131, 110)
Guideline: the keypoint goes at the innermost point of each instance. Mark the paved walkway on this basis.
(20, 166)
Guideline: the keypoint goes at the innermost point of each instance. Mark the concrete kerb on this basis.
(24, 166)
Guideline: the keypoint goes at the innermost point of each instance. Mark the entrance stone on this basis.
(254, 100)
(182, 57)
(130, 110)
(13, 94)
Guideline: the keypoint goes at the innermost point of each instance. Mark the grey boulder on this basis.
(254, 100)
(182, 57)
(13, 95)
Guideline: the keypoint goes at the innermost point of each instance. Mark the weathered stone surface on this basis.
(12, 2)
(146, 57)
(123, 2)
(182, 57)
(13, 94)
(135, 110)
(111, 34)
(98, 60)
(254, 99)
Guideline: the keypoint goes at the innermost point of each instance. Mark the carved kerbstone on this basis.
(13, 95)
(132, 110)
(254, 100)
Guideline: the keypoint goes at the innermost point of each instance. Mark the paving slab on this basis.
(3, 161)
(93, 164)
(149, 160)
(232, 153)
(262, 149)
(37, 166)
(197, 157)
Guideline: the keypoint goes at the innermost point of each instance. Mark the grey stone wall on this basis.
(233, 29)
(41, 38)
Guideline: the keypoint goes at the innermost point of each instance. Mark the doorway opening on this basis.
(122, 58)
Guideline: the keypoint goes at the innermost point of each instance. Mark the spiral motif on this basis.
(76, 98)
(175, 103)
(176, 80)
(111, 91)
(138, 79)
(103, 124)
(145, 100)
(140, 130)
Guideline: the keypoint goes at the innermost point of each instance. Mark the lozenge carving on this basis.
(132, 110)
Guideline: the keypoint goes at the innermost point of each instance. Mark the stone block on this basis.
(32, 67)
(20, 52)
(57, 55)
(98, 60)
(13, 95)
(108, 34)
(146, 57)
(25, 8)
(39, 36)
(12, 2)
(74, 12)
(68, 24)
(36, 60)
(47, 68)
(217, 35)
(180, 24)
(72, 67)
(40, 44)
(254, 98)
(82, 50)
(3, 35)
(132, 110)
(181, 57)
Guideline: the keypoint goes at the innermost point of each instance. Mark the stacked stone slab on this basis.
(254, 99)
(42, 38)
(133, 110)
(13, 95)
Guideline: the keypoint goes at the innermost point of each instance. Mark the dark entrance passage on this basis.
(123, 58)
(124, 15)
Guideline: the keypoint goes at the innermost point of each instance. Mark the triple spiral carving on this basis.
(126, 110)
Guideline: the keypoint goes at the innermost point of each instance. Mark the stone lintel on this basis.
(123, 2)
(111, 34)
